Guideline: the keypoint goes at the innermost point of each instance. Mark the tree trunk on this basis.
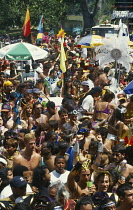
(88, 16)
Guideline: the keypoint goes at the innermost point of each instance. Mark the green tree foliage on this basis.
(13, 12)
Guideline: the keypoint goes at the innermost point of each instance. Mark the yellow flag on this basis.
(61, 33)
(62, 57)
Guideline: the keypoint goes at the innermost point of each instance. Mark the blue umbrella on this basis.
(129, 88)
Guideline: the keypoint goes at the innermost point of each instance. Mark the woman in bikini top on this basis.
(103, 108)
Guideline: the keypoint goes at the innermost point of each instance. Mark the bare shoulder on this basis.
(17, 156)
(130, 167)
(112, 106)
(37, 155)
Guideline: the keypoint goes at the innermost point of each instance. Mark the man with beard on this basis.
(120, 164)
(59, 174)
(125, 193)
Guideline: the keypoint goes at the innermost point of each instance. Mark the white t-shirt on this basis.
(91, 84)
(55, 176)
(7, 191)
(88, 103)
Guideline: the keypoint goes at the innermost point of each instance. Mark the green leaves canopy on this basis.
(13, 12)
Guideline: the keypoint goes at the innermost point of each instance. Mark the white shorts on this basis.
(111, 137)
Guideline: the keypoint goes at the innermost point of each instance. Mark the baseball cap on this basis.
(5, 108)
(18, 182)
(85, 83)
(7, 83)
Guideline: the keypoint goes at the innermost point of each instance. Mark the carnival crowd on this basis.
(65, 138)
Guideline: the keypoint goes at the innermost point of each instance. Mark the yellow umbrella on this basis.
(90, 41)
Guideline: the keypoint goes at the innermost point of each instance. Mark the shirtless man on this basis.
(125, 193)
(63, 114)
(79, 188)
(72, 125)
(28, 157)
(46, 153)
(38, 117)
(52, 113)
(103, 77)
(119, 164)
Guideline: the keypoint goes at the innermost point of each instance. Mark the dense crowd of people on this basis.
(65, 138)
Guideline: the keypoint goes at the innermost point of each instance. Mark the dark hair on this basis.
(103, 131)
(94, 90)
(52, 71)
(50, 104)
(48, 135)
(4, 179)
(129, 155)
(25, 131)
(62, 111)
(84, 200)
(91, 76)
(117, 115)
(94, 144)
(86, 123)
(53, 124)
(8, 134)
(108, 95)
(20, 87)
(106, 69)
(12, 142)
(128, 178)
(69, 104)
(122, 188)
(19, 169)
(27, 68)
(101, 174)
(119, 149)
(38, 176)
(67, 96)
(58, 157)
(62, 145)
(49, 145)
(40, 81)
(36, 103)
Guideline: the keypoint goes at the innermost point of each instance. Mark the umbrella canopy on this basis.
(90, 41)
(129, 88)
(22, 51)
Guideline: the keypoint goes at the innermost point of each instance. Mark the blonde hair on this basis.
(28, 137)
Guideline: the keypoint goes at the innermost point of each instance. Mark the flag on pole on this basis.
(62, 57)
(26, 26)
(61, 33)
(40, 28)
